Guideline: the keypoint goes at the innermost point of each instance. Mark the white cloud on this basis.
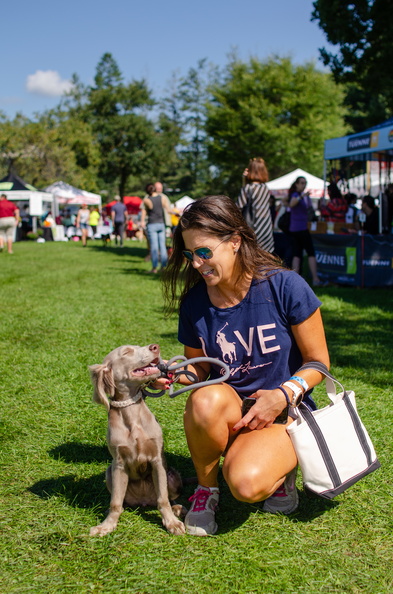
(48, 83)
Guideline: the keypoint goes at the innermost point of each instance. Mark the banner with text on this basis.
(362, 261)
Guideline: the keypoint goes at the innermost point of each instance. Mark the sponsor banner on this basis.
(363, 143)
(363, 261)
(377, 261)
(337, 258)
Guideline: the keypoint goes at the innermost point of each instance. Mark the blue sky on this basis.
(44, 42)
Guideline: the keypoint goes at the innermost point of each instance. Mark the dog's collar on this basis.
(124, 403)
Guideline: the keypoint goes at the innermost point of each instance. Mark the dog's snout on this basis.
(154, 348)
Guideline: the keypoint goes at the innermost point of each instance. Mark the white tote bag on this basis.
(332, 445)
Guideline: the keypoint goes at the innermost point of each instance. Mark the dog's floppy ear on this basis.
(126, 350)
(103, 382)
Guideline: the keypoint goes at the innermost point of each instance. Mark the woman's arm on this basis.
(202, 370)
(310, 338)
(146, 205)
(294, 200)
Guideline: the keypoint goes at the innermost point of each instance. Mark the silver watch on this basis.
(297, 396)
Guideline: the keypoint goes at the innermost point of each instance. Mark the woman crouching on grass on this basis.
(239, 305)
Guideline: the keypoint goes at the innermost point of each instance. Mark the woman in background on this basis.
(154, 207)
(256, 175)
(82, 222)
(299, 202)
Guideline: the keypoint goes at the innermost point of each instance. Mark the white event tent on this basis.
(279, 187)
(17, 190)
(183, 202)
(66, 194)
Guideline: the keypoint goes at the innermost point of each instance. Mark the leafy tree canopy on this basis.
(362, 30)
(275, 110)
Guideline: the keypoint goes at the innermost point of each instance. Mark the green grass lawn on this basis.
(64, 308)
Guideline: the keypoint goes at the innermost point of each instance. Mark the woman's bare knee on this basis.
(249, 485)
(210, 402)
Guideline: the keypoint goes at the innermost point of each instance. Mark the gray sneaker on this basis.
(200, 520)
(285, 499)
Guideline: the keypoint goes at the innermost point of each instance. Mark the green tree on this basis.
(118, 116)
(185, 107)
(362, 31)
(49, 149)
(275, 110)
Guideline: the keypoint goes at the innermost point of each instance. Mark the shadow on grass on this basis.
(134, 250)
(311, 507)
(91, 492)
(233, 513)
(75, 451)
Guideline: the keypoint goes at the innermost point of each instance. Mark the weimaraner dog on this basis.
(138, 474)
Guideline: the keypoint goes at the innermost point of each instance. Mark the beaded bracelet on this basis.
(285, 394)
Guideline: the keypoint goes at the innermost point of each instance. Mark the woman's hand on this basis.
(162, 383)
(269, 404)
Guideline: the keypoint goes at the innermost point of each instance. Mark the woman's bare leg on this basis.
(209, 417)
(257, 463)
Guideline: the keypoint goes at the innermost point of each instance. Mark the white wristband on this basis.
(297, 393)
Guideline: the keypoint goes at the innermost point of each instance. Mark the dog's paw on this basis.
(176, 527)
(101, 530)
(179, 510)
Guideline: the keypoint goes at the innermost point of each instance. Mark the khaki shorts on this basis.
(7, 227)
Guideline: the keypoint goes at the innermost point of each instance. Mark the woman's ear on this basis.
(236, 241)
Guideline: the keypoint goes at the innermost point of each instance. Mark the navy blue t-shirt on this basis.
(253, 337)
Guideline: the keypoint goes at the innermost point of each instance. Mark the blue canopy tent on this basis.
(372, 145)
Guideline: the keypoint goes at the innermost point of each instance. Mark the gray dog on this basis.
(138, 474)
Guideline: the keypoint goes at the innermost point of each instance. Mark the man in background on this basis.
(9, 217)
(119, 218)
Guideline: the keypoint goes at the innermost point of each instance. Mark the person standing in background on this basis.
(119, 217)
(82, 222)
(335, 210)
(299, 202)
(255, 176)
(9, 216)
(94, 219)
(154, 207)
(371, 224)
(159, 188)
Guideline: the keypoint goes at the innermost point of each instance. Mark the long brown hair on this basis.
(257, 171)
(293, 188)
(219, 217)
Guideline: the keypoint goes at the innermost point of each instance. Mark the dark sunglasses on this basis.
(204, 253)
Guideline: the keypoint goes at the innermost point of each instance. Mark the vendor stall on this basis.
(373, 147)
(25, 195)
(279, 187)
(65, 194)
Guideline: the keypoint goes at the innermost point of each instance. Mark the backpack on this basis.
(284, 221)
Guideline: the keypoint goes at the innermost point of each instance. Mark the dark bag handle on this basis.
(321, 367)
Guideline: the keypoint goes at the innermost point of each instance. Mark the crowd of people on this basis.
(157, 218)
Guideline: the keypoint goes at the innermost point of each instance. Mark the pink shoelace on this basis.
(280, 492)
(199, 498)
